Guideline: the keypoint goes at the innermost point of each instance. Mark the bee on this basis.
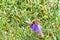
(34, 25)
(28, 1)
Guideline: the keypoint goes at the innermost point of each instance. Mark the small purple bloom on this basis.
(36, 27)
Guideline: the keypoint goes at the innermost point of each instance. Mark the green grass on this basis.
(13, 13)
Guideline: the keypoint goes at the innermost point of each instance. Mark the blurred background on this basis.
(13, 13)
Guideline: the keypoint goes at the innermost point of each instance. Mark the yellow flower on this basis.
(18, 30)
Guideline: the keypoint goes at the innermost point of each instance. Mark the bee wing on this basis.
(28, 22)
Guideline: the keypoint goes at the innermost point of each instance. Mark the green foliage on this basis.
(13, 13)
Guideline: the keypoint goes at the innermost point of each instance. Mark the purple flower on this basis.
(36, 27)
